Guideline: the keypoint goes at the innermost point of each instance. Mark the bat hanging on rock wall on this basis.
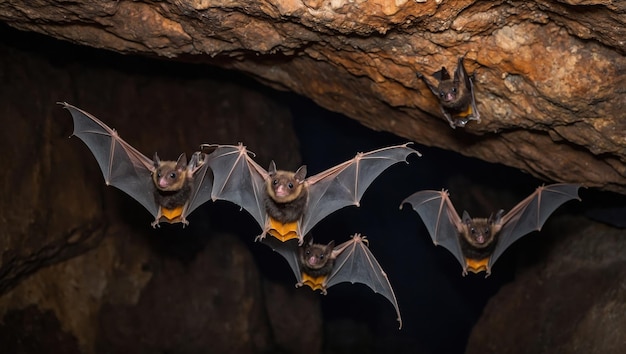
(287, 204)
(478, 242)
(456, 95)
(170, 190)
(321, 266)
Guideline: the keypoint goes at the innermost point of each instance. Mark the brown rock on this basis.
(548, 74)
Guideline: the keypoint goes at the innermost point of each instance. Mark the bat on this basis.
(477, 243)
(321, 266)
(169, 190)
(456, 96)
(286, 204)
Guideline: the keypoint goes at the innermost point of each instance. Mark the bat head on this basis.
(170, 176)
(479, 232)
(285, 186)
(449, 91)
(316, 259)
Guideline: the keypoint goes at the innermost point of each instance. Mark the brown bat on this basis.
(169, 190)
(456, 96)
(287, 204)
(320, 266)
(478, 242)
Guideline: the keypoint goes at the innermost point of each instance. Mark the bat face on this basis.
(316, 259)
(456, 96)
(284, 186)
(476, 242)
(170, 176)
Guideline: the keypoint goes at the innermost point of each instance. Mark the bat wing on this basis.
(441, 219)
(238, 179)
(289, 250)
(122, 165)
(356, 264)
(531, 213)
(344, 184)
(202, 185)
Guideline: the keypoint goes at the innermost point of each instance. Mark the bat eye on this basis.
(172, 175)
(308, 252)
(473, 231)
(275, 182)
(441, 94)
(486, 232)
(454, 90)
(290, 185)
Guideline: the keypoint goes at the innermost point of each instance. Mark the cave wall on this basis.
(549, 75)
(81, 269)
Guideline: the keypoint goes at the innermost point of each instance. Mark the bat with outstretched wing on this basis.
(169, 190)
(478, 242)
(322, 266)
(286, 204)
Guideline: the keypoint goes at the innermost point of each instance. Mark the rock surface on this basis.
(549, 75)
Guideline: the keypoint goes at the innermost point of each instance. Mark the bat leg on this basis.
(475, 114)
(452, 122)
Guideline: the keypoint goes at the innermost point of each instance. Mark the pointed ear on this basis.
(466, 218)
(496, 219)
(460, 74)
(330, 246)
(300, 174)
(156, 160)
(272, 170)
(181, 163)
(445, 75)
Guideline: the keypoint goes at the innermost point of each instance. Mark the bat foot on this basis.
(155, 224)
(260, 237)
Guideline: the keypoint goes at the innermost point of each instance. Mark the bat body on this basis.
(477, 242)
(169, 190)
(286, 204)
(322, 266)
(456, 95)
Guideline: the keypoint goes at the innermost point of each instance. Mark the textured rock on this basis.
(81, 270)
(549, 75)
(572, 303)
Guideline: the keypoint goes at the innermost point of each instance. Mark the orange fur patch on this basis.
(477, 265)
(315, 283)
(468, 112)
(283, 232)
(172, 214)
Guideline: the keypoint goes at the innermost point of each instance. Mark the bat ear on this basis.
(467, 219)
(496, 219)
(460, 73)
(442, 74)
(330, 246)
(272, 169)
(181, 163)
(156, 160)
(300, 174)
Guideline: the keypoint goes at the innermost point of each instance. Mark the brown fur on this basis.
(290, 206)
(316, 259)
(172, 182)
(479, 237)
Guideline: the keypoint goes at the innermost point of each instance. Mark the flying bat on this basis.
(321, 266)
(286, 204)
(456, 96)
(478, 242)
(169, 190)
